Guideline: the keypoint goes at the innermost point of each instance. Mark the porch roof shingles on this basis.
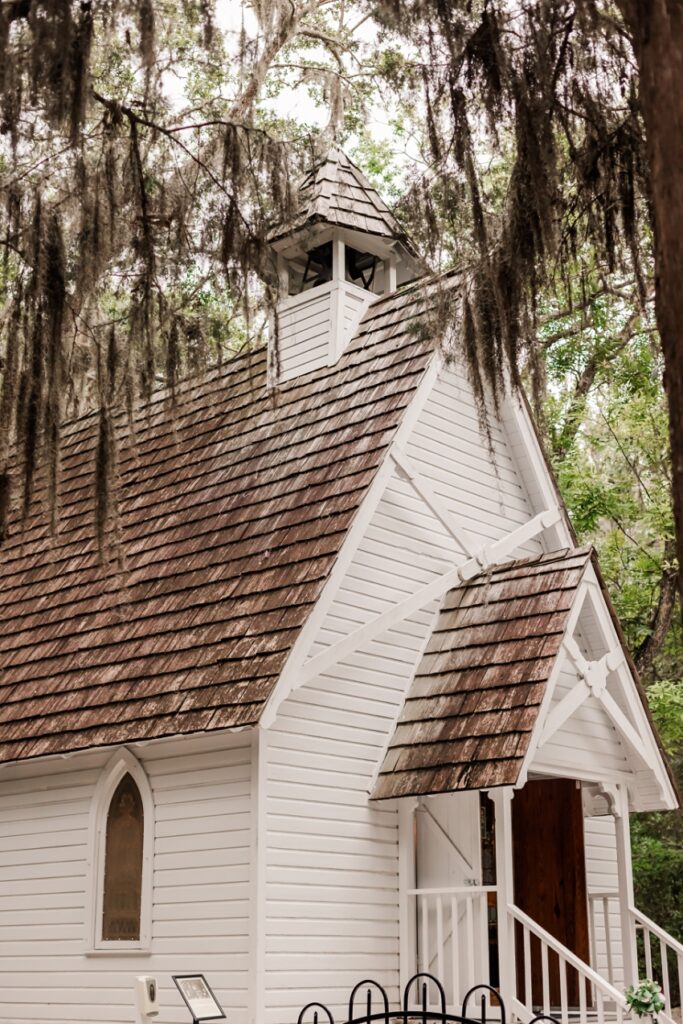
(232, 509)
(476, 695)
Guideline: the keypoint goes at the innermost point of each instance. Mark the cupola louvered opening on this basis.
(341, 252)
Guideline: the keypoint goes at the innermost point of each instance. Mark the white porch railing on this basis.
(663, 955)
(452, 931)
(560, 972)
(668, 953)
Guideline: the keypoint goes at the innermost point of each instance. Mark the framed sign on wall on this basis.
(198, 997)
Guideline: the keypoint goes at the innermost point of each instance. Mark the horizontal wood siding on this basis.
(602, 876)
(304, 332)
(332, 868)
(201, 898)
(332, 892)
(354, 301)
(479, 482)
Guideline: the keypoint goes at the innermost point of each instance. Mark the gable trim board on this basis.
(290, 677)
(535, 468)
(481, 699)
(431, 591)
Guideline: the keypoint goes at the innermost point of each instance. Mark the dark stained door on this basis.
(550, 877)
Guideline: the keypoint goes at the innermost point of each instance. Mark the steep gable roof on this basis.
(337, 192)
(233, 507)
(476, 695)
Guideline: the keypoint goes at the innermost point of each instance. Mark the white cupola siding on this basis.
(341, 251)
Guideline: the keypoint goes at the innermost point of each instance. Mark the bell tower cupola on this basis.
(342, 250)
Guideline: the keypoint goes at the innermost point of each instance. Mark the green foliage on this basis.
(666, 702)
(645, 998)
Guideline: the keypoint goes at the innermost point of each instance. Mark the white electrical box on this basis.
(148, 997)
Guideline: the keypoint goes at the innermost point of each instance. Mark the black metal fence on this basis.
(424, 1002)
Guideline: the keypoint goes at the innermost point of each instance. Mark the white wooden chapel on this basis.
(347, 701)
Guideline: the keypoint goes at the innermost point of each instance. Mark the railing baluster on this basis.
(599, 1005)
(564, 1001)
(667, 944)
(648, 952)
(620, 1013)
(455, 952)
(582, 998)
(471, 967)
(608, 941)
(528, 994)
(425, 928)
(666, 988)
(546, 977)
(439, 938)
(482, 904)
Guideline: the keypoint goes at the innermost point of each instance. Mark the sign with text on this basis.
(200, 1000)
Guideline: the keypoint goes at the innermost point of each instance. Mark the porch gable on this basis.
(526, 673)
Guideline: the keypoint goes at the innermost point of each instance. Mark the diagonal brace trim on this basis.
(424, 490)
(488, 555)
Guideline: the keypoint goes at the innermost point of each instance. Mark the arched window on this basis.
(122, 895)
(119, 911)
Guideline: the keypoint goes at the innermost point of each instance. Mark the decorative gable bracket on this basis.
(599, 678)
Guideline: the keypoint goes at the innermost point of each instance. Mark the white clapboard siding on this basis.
(479, 480)
(201, 891)
(331, 871)
(304, 329)
(316, 326)
(602, 876)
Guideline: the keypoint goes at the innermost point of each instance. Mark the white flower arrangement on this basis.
(645, 998)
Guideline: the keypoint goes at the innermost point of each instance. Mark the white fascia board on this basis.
(544, 710)
(638, 716)
(291, 675)
(636, 733)
(544, 483)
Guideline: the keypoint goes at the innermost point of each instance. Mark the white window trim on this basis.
(122, 763)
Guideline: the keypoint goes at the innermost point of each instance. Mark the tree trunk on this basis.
(656, 27)
(651, 647)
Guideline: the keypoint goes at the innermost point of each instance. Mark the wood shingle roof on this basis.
(475, 699)
(232, 509)
(337, 192)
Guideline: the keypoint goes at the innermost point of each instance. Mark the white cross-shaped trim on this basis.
(593, 677)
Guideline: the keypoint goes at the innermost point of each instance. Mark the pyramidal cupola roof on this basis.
(337, 192)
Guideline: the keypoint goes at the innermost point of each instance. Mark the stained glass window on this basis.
(123, 864)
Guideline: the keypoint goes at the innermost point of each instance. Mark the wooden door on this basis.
(550, 876)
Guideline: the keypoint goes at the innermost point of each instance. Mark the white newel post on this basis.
(625, 871)
(502, 800)
(407, 879)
